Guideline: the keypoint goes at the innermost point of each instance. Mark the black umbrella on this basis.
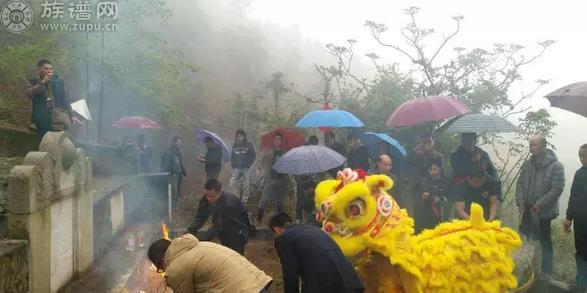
(572, 97)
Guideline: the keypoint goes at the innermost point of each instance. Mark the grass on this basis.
(564, 253)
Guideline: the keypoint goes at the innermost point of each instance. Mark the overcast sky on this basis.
(485, 22)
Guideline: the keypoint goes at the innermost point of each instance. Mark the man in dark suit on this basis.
(230, 220)
(308, 253)
(172, 163)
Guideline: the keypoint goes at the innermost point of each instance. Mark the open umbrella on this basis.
(572, 97)
(426, 109)
(136, 122)
(326, 107)
(479, 123)
(329, 118)
(372, 140)
(291, 138)
(201, 134)
(308, 159)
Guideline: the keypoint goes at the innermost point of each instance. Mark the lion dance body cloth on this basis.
(378, 236)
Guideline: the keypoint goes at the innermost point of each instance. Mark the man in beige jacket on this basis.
(193, 266)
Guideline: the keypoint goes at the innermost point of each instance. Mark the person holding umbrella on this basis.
(337, 147)
(305, 184)
(358, 155)
(212, 160)
(416, 164)
(467, 155)
(275, 185)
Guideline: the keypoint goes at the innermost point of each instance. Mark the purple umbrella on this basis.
(201, 134)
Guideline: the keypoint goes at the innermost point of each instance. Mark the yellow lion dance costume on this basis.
(461, 256)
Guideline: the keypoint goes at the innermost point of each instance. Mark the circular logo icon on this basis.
(16, 16)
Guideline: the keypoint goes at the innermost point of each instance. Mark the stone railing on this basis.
(124, 202)
(50, 205)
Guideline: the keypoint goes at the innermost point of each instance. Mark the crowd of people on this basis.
(422, 186)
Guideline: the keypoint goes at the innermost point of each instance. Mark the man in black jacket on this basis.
(577, 217)
(172, 163)
(51, 107)
(469, 155)
(242, 158)
(230, 220)
(308, 253)
(358, 155)
(212, 160)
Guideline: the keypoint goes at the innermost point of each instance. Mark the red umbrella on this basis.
(136, 122)
(425, 109)
(291, 138)
(326, 129)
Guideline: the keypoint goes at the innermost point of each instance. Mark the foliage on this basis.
(134, 59)
(257, 116)
(480, 78)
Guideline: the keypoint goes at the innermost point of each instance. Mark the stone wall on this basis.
(13, 266)
(17, 143)
(50, 205)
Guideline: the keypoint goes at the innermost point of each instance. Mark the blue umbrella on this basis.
(308, 159)
(372, 140)
(201, 134)
(329, 118)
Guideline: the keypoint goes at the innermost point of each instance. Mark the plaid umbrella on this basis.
(308, 159)
(478, 123)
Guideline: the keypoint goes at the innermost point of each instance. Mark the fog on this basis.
(237, 44)
(485, 23)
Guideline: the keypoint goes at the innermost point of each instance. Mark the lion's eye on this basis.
(355, 208)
